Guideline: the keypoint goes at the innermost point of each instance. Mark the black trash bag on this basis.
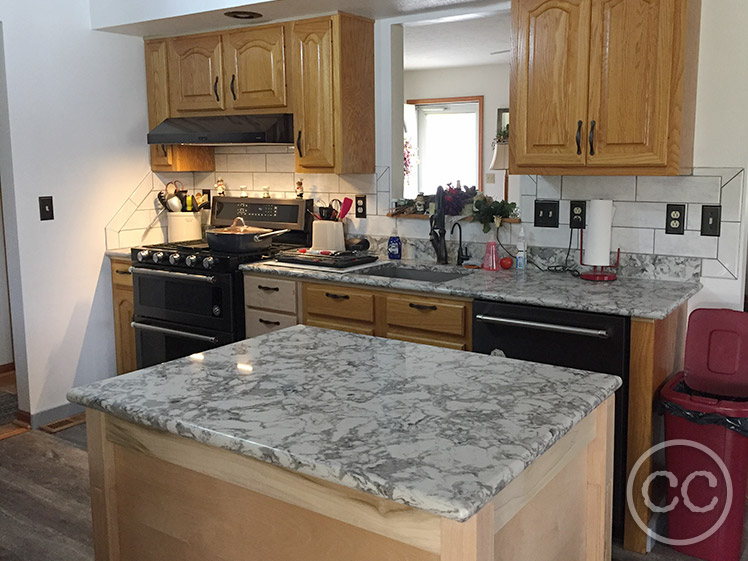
(737, 424)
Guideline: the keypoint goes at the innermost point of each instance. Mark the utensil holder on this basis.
(328, 235)
(184, 226)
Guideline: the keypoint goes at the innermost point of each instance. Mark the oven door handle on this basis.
(173, 275)
(571, 330)
(175, 332)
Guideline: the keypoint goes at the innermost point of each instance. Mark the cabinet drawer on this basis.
(259, 322)
(339, 302)
(351, 327)
(270, 294)
(121, 275)
(426, 340)
(426, 314)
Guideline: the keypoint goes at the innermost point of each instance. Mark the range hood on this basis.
(222, 130)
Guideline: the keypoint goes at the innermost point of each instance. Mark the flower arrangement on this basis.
(409, 157)
(456, 198)
(486, 210)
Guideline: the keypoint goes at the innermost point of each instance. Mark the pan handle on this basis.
(259, 237)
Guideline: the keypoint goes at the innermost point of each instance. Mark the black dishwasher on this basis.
(583, 340)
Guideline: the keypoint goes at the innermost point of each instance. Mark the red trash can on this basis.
(702, 523)
(706, 410)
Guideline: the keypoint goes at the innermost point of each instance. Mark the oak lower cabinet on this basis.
(332, 70)
(443, 322)
(603, 87)
(124, 334)
(167, 157)
(270, 304)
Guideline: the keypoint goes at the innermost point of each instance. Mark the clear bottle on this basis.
(243, 191)
(394, 246)
(521, 249)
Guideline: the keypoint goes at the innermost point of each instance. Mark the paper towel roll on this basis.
(598, 232)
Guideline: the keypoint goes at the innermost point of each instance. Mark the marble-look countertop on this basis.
(120, 253)
(644, 298)
(440, 430)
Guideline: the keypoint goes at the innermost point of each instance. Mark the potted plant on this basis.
(489, 212)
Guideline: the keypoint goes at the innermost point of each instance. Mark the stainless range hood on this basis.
(223, 130)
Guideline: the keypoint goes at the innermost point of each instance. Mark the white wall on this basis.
(75, 129)
(490, 81)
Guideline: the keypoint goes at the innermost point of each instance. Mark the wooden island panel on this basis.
(157, 496)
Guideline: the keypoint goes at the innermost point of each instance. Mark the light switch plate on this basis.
(46, 208)
(546, 213)
(711, 218)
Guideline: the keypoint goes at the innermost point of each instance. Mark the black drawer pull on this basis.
(592, 138)
(215, 89)
(579, 138)
(268, 288)
(298, 145)
(268, 322)
(337, 296)
(122, 272)
(422, 306)
(233, 89)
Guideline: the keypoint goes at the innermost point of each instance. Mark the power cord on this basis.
(552, 268)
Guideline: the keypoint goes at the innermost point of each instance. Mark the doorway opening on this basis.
(8, 386)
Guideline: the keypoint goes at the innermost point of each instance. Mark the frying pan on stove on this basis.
(240, 238)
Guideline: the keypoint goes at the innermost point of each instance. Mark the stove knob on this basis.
(190, 260)
(209, 263)
(158, 257)
(175, 258)
(143, 255)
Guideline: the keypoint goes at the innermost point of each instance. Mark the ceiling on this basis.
(469, 41)
(291, 9)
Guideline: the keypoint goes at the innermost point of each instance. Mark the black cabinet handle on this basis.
(337, 296)
(592, 138)
(233, 81)
(163, 149)
(422, 306)
(215, 89)
(268, 322)
(122, 272)
(268, 288)
(298, 144)
(579, 138)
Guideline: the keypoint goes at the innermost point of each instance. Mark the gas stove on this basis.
(196, 255)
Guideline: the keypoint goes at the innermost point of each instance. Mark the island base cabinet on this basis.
(157, 496)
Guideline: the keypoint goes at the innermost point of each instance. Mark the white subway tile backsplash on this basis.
(232, 150)
(141, 219)
(383, 179)
(160, 179)
(373, 225)
(269, 149)
(683, 189)
(632, 240)
(319, 182)
(222, 162)
(234, 181)
(527, 208)
(546, 237)
(641, 215)
(621, 188)
(712, 268)
(729, 243)
(528, 185)
(280, 162)
(549, 187)
(725, 174)
(693, 217)
(276, 181)
(123, 215)
(690, 244)
(383, 203)
(205, 180)
(732, 199)
(245, 163)
(361, 184)
(143, 190)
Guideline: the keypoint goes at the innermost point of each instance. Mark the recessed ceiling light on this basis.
(242, 14)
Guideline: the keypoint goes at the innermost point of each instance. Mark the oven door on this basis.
(201, 299)
(157, 342)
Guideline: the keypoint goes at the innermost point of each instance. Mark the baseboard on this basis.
(23, 417)
(55, 414)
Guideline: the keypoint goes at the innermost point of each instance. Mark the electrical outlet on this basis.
(46, 208)
(675, 222)
(546, 214)
(360, 206)
(578, 215)
(711, 217)
(490, 178)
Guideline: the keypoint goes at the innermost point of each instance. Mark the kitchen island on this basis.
(314, 444)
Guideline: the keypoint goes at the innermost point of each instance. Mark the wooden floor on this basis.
(44, 504)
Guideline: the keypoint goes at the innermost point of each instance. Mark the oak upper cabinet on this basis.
(603, 87)
(196, 74)
(255, 67)
(168, 157)
(332, 68)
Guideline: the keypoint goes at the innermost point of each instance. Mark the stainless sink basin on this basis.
(424, 275)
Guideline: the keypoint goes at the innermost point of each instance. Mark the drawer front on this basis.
(259, 322)
(426, 314)
(351, 327)
(426, 340)
(338, 302)
(270, 294)
(121, 275)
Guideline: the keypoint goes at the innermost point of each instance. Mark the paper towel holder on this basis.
(598, 273)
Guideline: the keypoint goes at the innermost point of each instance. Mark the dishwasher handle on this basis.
(556, 328)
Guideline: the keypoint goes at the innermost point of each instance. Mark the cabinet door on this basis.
(631, 60)
(313, 75)
(123, 300)
(549, 82)
(195, 75)
(254, 61)
(157, 89)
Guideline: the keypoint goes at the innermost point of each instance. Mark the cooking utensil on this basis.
(316, 217)
(174, 204)
(240, 238)
(162, 199)
(326, 212)
(345, 207)
(336, 205)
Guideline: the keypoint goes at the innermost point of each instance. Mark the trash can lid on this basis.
(716, 359)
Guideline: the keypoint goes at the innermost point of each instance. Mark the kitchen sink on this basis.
(408, 273)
